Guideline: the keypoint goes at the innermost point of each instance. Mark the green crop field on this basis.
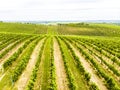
(74, 56)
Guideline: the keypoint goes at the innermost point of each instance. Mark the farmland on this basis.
(59, 57)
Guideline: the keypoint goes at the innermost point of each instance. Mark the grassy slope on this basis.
(69, 29)
(90, 29)
(23, 28)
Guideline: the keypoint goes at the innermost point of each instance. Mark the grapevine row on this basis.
(69, 75)
(16, 54)
(110, 83)
(111, 67)
(11, 47)
(33, 76)
(53, 85)
(23, 63)
(85, 74)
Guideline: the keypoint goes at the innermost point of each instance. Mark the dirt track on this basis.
(20, 85)
(60, 70)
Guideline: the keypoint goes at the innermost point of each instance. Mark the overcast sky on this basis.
(60, 10)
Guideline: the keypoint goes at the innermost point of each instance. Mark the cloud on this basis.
(59, 9)
(80, 1)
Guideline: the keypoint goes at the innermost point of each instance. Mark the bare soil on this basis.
(62, 83)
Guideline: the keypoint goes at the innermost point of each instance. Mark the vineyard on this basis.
(52, 60)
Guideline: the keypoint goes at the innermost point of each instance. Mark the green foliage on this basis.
(16, 54)
(87, 29)
(100, 70)
(93, 87)
(87, 77)
(69, 75)
(53, 85)
(33, 77)
(14, 45)
(22, 64)
(23, 28)
(89, 47)
(9, 40)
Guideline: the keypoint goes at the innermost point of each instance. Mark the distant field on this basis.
(59, 57)
(23, 28)
(64, 29)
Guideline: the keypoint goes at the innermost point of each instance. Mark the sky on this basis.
(53, 10)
